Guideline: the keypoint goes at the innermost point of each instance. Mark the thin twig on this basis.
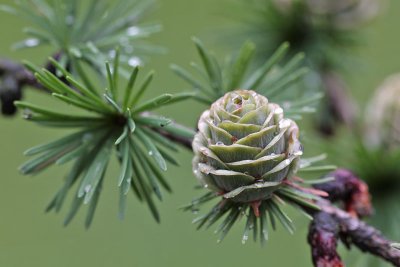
(184, 141)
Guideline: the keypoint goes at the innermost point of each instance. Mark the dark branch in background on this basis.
(8, 67)
(14, 77)
(332, 222)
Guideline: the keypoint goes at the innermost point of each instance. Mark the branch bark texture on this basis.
(332, 223)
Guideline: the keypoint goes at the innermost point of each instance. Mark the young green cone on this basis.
(247, 154)
(245, 148)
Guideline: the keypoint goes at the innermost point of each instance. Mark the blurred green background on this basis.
(29, 237)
